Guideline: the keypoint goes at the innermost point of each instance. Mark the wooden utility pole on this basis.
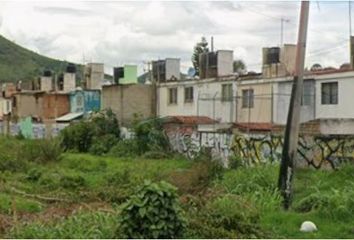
(293, 122)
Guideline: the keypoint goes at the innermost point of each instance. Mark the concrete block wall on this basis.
(127, 100)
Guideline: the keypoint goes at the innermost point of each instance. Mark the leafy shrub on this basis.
(153, 212)
(235, 162)
(72, 182)
(150, 136)
(125, 148)
(102, 126)
(102, 144)
(77, 137)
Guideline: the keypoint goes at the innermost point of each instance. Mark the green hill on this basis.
(18, 63)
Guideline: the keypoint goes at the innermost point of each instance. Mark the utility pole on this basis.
(293, 122)
(351, 39)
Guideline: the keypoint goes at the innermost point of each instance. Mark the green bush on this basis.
(235, 162)
(153, 212)
(150, 136)
(92, 134)
(102, 144)
(125, 148)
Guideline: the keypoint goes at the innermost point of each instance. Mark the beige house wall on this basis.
(262, 108)
(28, 105)
(129, 99)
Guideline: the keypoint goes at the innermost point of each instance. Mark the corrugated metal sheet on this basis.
(69, 117)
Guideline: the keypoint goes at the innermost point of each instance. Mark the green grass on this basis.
(10, 203)
(242, 203)
(258, 185)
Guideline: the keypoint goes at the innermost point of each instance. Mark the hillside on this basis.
(18, 63)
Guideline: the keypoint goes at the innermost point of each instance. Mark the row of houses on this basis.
(248, 101)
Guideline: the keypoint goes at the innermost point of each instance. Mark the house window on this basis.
(307, 94)
(247, 98)
(188, 94)
(226, 92)
(329, 93)
(172, 98)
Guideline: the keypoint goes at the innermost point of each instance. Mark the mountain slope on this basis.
(18, 63)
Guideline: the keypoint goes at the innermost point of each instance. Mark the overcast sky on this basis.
(119, 33)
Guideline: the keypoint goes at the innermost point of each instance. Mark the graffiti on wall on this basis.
(35, 130)
(318, 151)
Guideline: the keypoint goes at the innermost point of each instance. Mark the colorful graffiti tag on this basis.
(318, 151)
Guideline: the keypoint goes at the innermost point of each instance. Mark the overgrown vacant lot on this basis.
(80, 196)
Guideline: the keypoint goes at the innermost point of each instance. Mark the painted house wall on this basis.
(128, 100)
(77, 101)
(85, 101)
(261, 112)
(344, 108)
(92, 101)
(206, 99)
(282, 101)
(130, 75)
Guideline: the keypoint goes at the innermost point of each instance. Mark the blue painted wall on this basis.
(92, 100)
(85, 101)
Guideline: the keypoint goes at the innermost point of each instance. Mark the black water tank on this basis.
(71, 68)
(118, 72)
(273, 55)
(47, 73)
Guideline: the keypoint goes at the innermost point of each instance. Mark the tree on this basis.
(316, 67)
(239, 66)
(200, 47)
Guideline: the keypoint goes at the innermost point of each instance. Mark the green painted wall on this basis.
(26, 127)
(130, 75)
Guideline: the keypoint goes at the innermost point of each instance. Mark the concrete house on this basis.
(127, 100)
(94, 76)
(212, 97)
(40, 105)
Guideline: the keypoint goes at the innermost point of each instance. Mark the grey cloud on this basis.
(64, 11)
